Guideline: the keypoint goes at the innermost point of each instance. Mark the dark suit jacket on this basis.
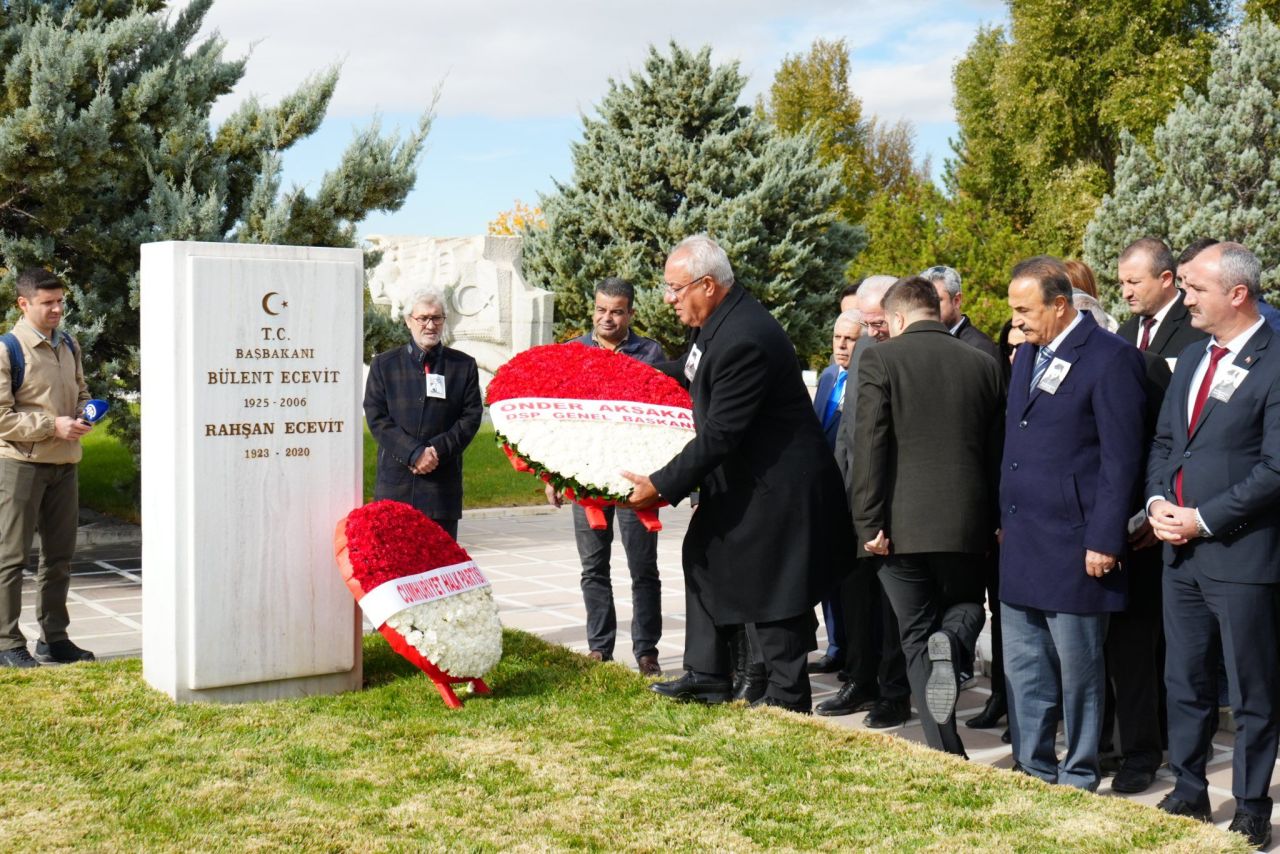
(404, 421)
(928, 441)
(826, 382)
(771, 532)
(976, 338)
(849, 417)
(1146, 566)
(1231, 465)
(1172, 336)
(1072, 463)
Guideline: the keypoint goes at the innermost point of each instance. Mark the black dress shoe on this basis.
(825, 664)
(941, 688)
(851, 698)
(751, 684)
(1110, 765)
(61, 652)
(1255, 828)
(1130, 779)
(798, 708)
(1006, 736)
(1174, 805)
(992, 713)
(887, 713)
(750, 679)
(696, 688)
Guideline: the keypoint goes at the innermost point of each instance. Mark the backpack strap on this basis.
(17, 362)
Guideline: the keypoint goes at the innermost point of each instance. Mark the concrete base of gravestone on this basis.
(251, 453)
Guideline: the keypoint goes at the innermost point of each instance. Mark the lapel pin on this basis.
(1248, 360)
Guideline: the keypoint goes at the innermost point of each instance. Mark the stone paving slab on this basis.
(530, 557)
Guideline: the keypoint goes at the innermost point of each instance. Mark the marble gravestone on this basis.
(251, 453)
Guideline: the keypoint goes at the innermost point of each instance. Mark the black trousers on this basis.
(1199, 614)
(641, 548)
(931, 592)
(1135, 672)
(873, 648)
(783, 644)
(450, 526)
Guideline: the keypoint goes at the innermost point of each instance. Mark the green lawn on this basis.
(566, 753)
(108, 477)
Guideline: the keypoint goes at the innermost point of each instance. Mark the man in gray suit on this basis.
(926, 460)
(946, 280)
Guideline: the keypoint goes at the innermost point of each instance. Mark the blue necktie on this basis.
(833, 402)
(1042, 364)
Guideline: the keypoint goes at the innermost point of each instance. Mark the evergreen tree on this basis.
(1136, 208)
(105, 144)
(1215, 161)
(670, 153)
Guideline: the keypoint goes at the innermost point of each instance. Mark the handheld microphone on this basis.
(94, 410)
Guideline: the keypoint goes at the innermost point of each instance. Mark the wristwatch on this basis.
(1201, 530)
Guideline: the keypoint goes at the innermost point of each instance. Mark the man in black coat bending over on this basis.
(929, 430)
(772, 527)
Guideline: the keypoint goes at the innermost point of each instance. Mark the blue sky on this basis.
(514, 76)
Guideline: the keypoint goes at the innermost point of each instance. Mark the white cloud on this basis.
(513, 58)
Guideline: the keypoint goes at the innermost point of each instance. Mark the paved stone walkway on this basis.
(531, 559)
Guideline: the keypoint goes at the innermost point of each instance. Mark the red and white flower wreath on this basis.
(577, 416)
(423, 593)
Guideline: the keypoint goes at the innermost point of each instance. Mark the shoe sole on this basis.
(940, 690)
(1132, 789)
(712, 698)
(1203, 817)
(705, 699)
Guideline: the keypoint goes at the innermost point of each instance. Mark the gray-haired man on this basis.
(422, 403)
(947, 282)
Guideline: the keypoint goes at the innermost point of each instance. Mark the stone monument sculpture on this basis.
(493, 312)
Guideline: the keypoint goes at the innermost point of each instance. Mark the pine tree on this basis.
(1215, 161)
(105, 144)
(1136, 208)
(670, 153)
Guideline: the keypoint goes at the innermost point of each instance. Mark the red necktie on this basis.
(1216, 355)
(1147, 323)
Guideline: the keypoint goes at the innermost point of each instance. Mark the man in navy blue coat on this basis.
(1071, 467)
(828, 405)
(1214, 486)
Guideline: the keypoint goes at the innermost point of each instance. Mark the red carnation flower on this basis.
(577, 416)
(410, 576)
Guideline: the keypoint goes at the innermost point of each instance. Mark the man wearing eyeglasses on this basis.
(875, 671)
(771, 529)
(422, 403)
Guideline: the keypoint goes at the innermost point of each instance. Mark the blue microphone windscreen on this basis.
(94, 410)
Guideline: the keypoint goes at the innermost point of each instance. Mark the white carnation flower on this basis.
(460, 634)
